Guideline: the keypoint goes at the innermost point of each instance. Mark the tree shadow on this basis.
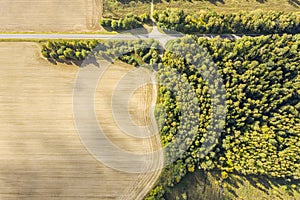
(263, 183)
(135, 31)
(216, 1)
(108, 29)
(92, 60)
(67, 62)
(233, 182)
(198, 185)
(295, 3)
(52, 61)
(257, 182)
(232, 192)
(128, 1)
(262, 1)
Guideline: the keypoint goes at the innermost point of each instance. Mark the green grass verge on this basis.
(230, 6)
(117, 9)
(206, 185)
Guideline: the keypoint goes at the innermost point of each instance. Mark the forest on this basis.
(255, 22)
(262, 126)
(209, 22)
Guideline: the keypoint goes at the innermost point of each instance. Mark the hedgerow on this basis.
(135, 52)
(128, 22)
(255, 22)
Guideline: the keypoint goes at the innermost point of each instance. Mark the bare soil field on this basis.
(49, 15)
(41, 154)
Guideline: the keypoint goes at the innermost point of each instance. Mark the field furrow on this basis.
(41, 154)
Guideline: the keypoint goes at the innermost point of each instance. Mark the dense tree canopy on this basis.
(255, 22)
(262, 130)
(128, 22)
(135, 52)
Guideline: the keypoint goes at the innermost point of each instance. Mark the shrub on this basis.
(128, 22)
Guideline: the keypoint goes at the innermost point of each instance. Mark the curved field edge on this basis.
(75, 51)
(266, 39)
(46, 161)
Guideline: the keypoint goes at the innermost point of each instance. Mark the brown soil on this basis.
(41, 154)
(50, 15)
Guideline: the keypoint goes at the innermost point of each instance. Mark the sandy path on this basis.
(40, 151)
(50, 15)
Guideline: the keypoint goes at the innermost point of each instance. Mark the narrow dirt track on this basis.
(41, 154)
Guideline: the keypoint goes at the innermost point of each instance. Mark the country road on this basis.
(155, 34)
(70, 36)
